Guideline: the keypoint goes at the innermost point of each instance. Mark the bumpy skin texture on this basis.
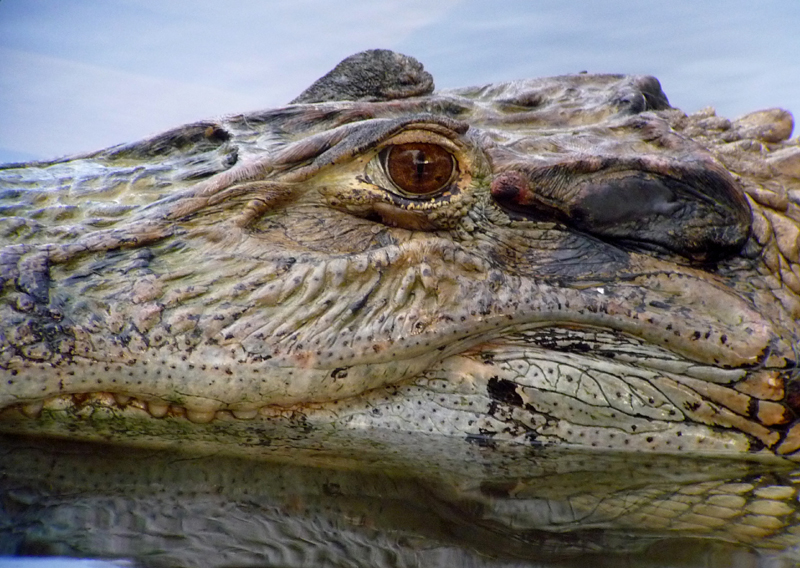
(599, 270)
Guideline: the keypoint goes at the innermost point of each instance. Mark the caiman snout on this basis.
(548, 261)
(694, 209)
(650, 209)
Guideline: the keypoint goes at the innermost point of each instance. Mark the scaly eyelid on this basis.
(420, 136)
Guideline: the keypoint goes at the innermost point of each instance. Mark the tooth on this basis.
(157, 409)
(245, 414)
(200, 416)
(32, 409)
(121, 399)
(59, 403)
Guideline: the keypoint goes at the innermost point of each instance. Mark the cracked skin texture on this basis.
(563, 261)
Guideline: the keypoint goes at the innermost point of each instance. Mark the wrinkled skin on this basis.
(593, 268)
(584, 266)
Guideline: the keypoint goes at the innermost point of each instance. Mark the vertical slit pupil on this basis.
(419, 168)
(421, 162)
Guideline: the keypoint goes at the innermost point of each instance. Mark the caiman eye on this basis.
(418, 168)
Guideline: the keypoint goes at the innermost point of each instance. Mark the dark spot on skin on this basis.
(793, 395)
(483, 439)
(339, 373)
(752, 408)
(505, 391)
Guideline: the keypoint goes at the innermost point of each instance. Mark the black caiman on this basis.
(559, 262)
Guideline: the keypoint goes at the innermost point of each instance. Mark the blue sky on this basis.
(81, 75)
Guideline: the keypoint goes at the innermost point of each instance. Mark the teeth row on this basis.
(156, 408)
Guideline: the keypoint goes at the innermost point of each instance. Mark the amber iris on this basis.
(419, 168)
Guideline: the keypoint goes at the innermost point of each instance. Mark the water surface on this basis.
(392, 501)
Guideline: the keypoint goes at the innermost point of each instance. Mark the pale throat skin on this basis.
(589, 267)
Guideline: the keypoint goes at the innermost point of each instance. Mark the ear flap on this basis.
(373, 75)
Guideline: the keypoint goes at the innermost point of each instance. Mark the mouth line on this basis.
(583, 342)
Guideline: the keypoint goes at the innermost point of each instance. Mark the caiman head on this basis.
(565, 260)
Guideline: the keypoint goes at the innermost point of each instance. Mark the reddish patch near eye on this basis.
(419, 169)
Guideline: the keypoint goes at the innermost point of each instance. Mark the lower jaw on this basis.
(99, 417)
(274, 434)
(306, 433)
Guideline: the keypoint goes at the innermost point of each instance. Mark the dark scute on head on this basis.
(373, 75)
(641, 93)
(697, 217)
(628, 200)
(651, 90)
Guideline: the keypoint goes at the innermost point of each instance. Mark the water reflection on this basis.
(428, 502)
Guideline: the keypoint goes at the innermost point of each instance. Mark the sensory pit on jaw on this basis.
(559, 261)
